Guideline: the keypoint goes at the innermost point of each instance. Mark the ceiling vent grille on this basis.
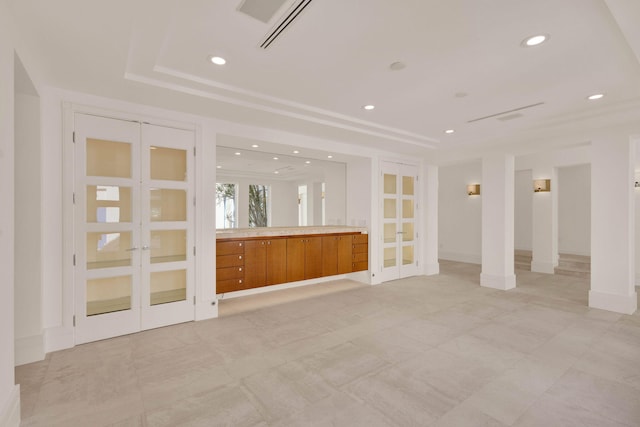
(290, 16)
(262, 10)
(512, 116)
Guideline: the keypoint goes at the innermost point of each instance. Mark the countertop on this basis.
(235, 233)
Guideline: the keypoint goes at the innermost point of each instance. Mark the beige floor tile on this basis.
(433, 351)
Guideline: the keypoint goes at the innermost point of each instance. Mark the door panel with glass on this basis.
(131, 231)
(399, 206)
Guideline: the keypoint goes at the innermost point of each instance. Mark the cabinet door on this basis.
(344, 254)
(255, 253)
(330, 245)
(313, 257)
(276, 261)
(295, 259)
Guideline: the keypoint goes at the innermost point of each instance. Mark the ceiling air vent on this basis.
(262, 10)
(294, 11)
(503, 113)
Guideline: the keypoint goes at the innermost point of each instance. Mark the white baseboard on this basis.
(455, 256)
(432, 269)
(206, 310)
(625, 304)
(58, 338)
(29, 349)
(10, 415)
(503, 283)
(543, 267)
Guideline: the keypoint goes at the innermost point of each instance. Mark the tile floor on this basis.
(424, 351)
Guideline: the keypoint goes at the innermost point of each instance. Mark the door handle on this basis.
(135, 248)
(146, 248)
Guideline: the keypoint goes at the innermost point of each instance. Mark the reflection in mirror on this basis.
(259, 188)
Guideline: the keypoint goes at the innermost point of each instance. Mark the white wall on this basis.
(523, 210)
(574, 210)
(28, 290)
(9, 393)
(460, 215)
(335, 179)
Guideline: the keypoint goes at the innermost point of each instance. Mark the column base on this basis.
(625, 304)
(543, 267)
(432, 269)
(503, 283)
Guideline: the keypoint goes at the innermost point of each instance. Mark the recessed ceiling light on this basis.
(276, 172)
(308, 162)
(218, 60)
(296, 152)
(595, 96)
(275, 158)
(255, 146)
(218, 167)
(449, 131)
(369, 107)
(237, 153)
(397, 66)
(535, 40)
(329, 156)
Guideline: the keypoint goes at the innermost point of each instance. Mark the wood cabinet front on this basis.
(304, 258)
(265, 262)
(255, 262)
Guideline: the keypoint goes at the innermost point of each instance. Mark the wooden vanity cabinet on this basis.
(336, 254)
(265, 262)
(230, 267)
(304, 258)
(247, 263)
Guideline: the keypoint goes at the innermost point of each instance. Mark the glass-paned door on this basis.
(107, 232)
(399, 230)
(134, 233)
(167, 294)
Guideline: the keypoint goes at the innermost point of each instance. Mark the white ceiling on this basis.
(464, 61)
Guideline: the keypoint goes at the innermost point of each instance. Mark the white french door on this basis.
(399, 208)
(133, 227)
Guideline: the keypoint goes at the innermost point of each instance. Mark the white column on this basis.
(613, 226)
(545, 223)
(498, 198)
(430, 209)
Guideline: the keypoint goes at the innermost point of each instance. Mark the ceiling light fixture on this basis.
(535, 40)
(308, 162)
(237, 153)
(218, 60)
(275, 158)
(255, 146)
(369, 107)
(218, 167)
(595, 96)
(276, 172)
(449, 131)
(296, 152)
(329, 156)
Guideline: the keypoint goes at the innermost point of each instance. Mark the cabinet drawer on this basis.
(357, 249)
(359, 257)
(360, 266)
(230, 273)
(228, 248)
(230, 285)
(235, 260)
(360, 239)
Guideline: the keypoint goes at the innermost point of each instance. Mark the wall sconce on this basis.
(473, 190)
(541, 185)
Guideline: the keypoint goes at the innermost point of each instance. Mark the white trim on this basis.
(460, 257)
(625, 304)
(59, 338)
(10, 415)
(29, 349)
(432, 269)
(543, 267)
(503, 283)
(638, 278)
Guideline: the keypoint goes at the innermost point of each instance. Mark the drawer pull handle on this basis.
(240, 257)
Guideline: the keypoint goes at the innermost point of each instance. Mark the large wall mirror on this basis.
(260, 184)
